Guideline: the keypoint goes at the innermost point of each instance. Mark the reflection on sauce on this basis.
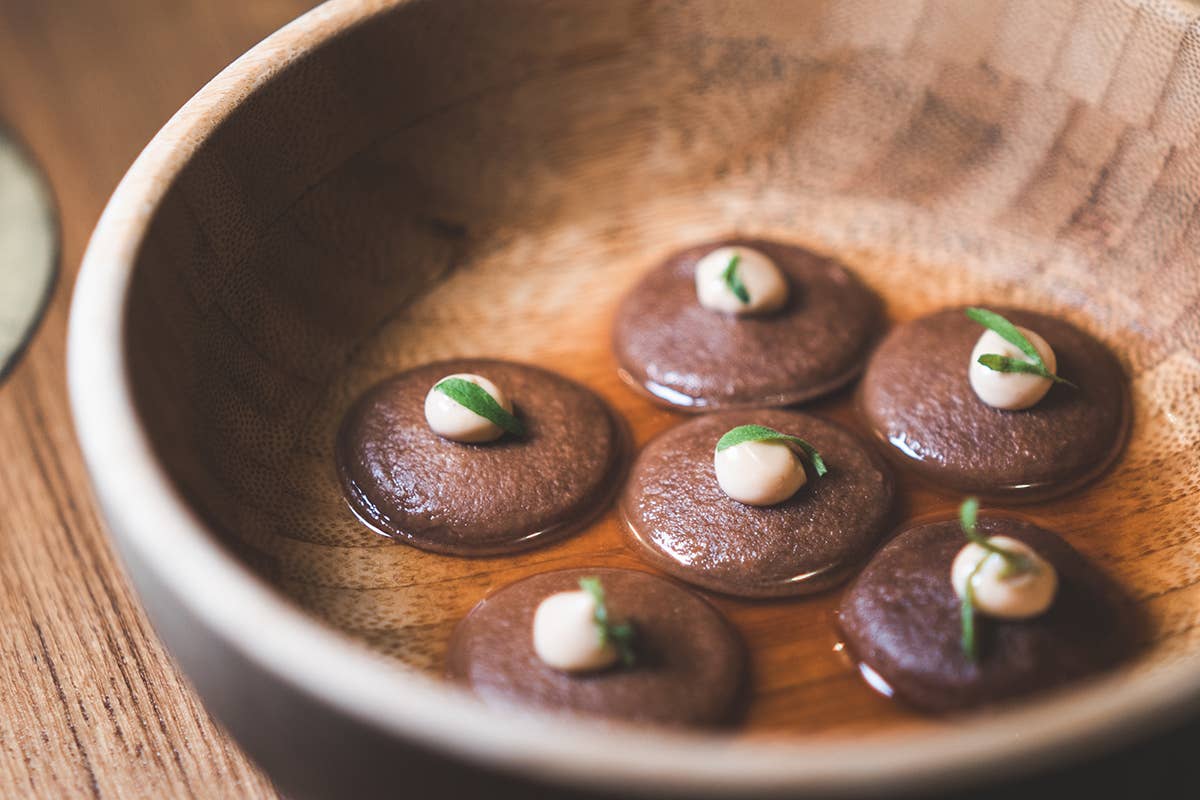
(666, 393)
(875, 680)
(911, 450)
(918, 402)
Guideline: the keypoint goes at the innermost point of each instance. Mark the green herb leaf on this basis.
(474, 397)
(968, 518)
(1014, 564)
(970, 649)
(1007, 364)
(761, 433)
(622, 636)
(1011, 334)
(1008, 332)
(968, 514)
(734, 281)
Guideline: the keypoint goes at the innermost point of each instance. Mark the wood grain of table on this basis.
(90, 704)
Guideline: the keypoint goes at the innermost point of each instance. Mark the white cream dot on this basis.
(998, 593)
(565, 634)
(452, 420)
(761, 473)
(1010, 391)
(765, 283)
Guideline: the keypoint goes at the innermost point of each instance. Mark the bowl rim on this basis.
(155, 522)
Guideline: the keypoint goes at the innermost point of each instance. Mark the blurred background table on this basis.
(90, 705)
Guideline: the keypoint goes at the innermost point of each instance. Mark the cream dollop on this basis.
(565, 634)
(448, 418)
(759, 473)
(998, 594)
(764, 282)
(1011, 391)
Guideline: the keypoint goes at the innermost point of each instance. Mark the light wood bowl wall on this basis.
(413, 181)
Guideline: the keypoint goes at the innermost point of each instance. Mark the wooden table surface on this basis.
(90, 705)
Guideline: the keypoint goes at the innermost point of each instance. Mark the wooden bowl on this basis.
(381, 184)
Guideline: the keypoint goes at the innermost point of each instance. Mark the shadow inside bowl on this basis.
(493, 189)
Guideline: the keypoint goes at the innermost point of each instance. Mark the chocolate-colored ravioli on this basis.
(679, 517)
(917, 398)
(689, 666)
(407, 482)
(682, 354)
(902, 620)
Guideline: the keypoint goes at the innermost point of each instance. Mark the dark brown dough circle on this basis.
(678, 516)
(690, 667)
(407, 482)
(690, 357)
(918, 400)
(902, 619)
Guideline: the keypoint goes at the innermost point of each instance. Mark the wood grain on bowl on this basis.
(493, 190)
(501, 211)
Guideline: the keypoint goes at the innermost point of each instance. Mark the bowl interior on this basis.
(435, 183)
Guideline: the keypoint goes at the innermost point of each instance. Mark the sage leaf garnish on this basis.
(622, 636)
(733, 280)
(968, 615)
(1011, 334)
(475, 398)
(1008, 332)
(761, 433)
(1008, 364)
(968, 514)
(1014, 564)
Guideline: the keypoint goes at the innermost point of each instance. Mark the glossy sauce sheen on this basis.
(683, 522)
(405, 602)
(904, 619)
(408, 482)
(692, 662)
(681, 353)
(932, 421)
(798, 674)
